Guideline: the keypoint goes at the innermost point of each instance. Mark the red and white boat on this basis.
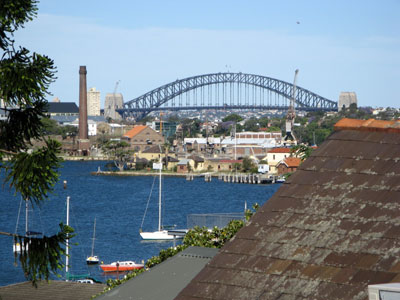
(121, 266)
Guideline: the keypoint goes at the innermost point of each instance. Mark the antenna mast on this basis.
(291, 113)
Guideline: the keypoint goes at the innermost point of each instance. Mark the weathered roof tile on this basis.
(371, 277)
(387, 263)
(366, 261)
(270, 218)
(278, 266)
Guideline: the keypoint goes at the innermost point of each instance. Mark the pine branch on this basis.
(8, 152)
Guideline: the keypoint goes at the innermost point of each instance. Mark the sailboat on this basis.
(93, 259)
(160, 234)
(17, 247)
(79, 278)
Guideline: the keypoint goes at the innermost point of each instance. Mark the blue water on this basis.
(118, 204)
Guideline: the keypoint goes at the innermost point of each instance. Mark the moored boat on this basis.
(121, 266)
(21, 244)
(93, 259)
(160, 233)
(157, 235)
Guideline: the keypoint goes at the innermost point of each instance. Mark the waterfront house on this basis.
(142, 137)
(155, 152)
(331, 230)
(221, 164)
(152, 153)
(184, 165)
(276, 155)
(288, 165)
(198, 164)
(171, 164)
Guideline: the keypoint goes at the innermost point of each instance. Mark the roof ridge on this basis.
(135, 130)
(368, 125)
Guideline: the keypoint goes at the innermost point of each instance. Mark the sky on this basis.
(339, 45)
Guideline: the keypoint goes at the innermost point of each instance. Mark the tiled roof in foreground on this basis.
(331, 230)
(54, 289)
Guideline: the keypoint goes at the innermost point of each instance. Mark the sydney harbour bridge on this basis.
(229, 91)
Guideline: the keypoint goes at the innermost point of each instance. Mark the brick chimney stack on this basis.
(83, 125)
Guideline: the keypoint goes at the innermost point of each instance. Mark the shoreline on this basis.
(135, 173)
(248, 178)
(84, 158)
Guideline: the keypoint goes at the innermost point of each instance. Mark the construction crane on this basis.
(161, 114)
(291, 114)
(115, 90)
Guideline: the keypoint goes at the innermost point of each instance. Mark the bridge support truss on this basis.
(226, 91)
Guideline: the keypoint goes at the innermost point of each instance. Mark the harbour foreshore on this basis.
(77, 158)
(226, 177)
(135, 173)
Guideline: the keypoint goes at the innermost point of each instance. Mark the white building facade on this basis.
(93, 102)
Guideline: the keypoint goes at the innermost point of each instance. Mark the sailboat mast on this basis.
(67, 243)
(26, 216)
(94, 234)
(159, 199)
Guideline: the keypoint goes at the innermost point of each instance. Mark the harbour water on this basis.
(118, 204)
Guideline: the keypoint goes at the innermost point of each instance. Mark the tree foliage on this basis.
(301, 151)
(191, 127)
(120, 152)
(248, 165)
(51, 127)
(233, 117)
(251, 124)
(51, 249)
(24, 80)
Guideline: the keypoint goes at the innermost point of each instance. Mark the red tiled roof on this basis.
(368, 125)
(134, 131)
(291, 162)
(329, 231)
(279, 150)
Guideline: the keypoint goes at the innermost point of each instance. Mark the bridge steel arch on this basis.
(152, 100)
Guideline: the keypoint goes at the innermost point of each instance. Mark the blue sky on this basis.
(337, 45)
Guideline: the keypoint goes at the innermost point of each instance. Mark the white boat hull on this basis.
(18, 249)
(91, 260)
(158, 235)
